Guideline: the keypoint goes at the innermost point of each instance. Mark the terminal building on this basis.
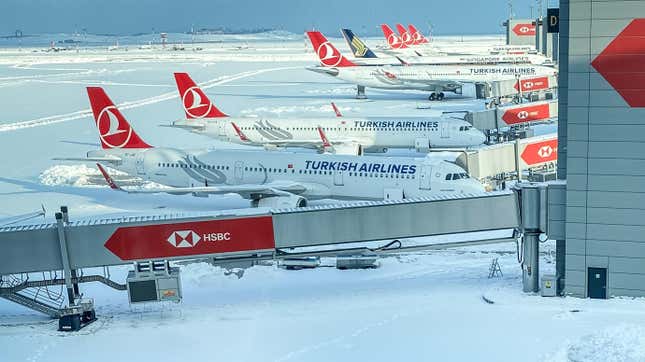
(601, 134)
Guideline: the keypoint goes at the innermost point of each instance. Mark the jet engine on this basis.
(280, 202)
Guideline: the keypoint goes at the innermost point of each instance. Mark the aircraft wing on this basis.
(190, 125)
(246, 191)
(108, 159)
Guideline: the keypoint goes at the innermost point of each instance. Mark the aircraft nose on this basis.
(479, 137)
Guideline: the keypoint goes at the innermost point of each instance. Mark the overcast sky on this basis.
(142, 16)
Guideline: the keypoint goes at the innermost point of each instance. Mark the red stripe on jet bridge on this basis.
(524, 29)
(527, 114)
(192, 238)
(533, 84)
(540, 152)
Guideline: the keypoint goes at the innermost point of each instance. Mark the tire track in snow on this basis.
(133, 104)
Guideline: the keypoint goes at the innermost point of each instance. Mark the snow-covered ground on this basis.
(423, 306)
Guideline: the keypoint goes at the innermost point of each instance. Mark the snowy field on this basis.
(424, 306)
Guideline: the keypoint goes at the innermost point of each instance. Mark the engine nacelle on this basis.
(354, 149)
(422, 145)
(280, 202)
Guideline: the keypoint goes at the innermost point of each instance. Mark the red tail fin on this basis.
(393, 40)
(108, 178)
(416, 35)
(406, 37)
(195, 102)
(114, 129)
(327, 53)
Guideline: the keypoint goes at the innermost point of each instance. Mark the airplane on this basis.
(268, 179)
(405, 42)
(437, 79)
(347, 134)
(365, 56)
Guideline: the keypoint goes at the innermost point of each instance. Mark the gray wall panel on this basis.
(616, 199)
(616, 166)
(627, 265)
(615, 249)
(576, 246)
(576, 262)
(616, 183)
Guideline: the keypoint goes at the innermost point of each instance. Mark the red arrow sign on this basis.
(621, 63)
(524, 29)
(540, 152)
(533, 84)
(527, 114)
(192, 238)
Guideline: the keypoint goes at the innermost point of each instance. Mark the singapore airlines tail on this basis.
(327, 53)
(114, 129)
(357, 46)
(195, 102)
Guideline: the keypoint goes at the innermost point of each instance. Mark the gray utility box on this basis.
(154, 281)
(549, 285)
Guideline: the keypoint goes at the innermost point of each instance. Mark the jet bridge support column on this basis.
(62, 240)
(532, 223)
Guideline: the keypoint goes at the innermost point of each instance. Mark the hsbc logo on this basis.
(184, 239)
(523, 115)
(524, 29)
(528, 85)
(190, 239)
(545, 151)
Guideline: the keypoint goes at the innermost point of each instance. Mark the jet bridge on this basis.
(66, 247)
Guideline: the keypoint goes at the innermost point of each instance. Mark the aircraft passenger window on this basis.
(293, 171)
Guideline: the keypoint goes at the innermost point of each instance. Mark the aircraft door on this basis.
(425, 175)
(139, 164)
(445, 129)
(338, 178)
(239, 171)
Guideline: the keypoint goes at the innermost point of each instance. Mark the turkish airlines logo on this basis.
(184, 239)
(545, 151)
(195, 103)
(112, 131)
(406, 38)
(394, 41)
(328, 55)
(417, 37)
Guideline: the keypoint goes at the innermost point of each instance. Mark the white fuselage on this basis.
(415, 59)
(371, 133)
(433, 77)
(325, 176)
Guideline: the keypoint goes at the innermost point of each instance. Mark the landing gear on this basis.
(436, 96)
(360, 92)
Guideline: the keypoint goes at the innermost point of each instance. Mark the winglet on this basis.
(240, 133)
(108, 178)
(336, 110)
(323, 137)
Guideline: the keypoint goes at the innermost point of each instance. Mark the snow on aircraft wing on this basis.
(250, 191)
(109, 159)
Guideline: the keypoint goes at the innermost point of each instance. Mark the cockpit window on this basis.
(456, 176)
(465, 128)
